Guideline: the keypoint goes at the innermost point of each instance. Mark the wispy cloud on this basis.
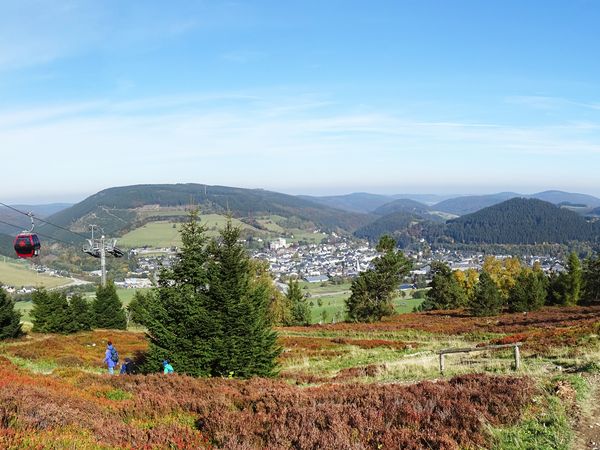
(550, 103)
(254, 139)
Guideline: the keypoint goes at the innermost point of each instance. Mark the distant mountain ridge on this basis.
(117, 209)
(472, 203)
(361, 202)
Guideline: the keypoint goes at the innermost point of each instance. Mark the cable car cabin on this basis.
(27, 245)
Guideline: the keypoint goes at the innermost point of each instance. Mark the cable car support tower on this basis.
(98, 248)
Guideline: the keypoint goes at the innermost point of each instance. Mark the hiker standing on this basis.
(168, 368)
(111, 357)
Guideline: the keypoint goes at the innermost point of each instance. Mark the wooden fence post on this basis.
(517, 358)
(442, 363)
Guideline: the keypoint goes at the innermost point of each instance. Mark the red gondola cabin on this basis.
(27, 245)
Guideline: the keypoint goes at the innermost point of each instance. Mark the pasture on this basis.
(161, 234)
(19, 273)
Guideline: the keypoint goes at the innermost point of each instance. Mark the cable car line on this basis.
(44, 221)
(40, 234)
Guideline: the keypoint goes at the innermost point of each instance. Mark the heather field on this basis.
(348, 386)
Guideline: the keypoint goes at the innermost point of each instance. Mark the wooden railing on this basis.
(446, 351)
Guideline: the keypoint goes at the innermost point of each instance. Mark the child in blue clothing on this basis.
(168, 368)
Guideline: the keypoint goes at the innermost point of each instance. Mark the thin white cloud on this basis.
(249, 139)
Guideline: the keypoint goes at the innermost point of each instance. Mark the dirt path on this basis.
(587, 432)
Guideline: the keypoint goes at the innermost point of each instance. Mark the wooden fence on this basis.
(446, 351)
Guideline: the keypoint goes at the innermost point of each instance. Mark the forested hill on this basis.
(521, 221)
(471, 203)
(402, 204)
(116, 209)
(360, 202)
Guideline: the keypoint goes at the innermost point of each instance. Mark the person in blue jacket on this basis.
(168, 368)
(110, 359)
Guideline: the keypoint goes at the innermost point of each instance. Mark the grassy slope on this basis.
(163, 234)
(18, 273)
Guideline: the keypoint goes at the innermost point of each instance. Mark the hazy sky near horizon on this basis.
(316, 97)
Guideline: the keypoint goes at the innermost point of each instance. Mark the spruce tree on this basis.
(249, 345)
(487, 300)
(10, 319)
(446, 291)
(209, 317)
(81, 313)
(299, 307)
(51, 312)
(566, 287)
(107, 308)
(373, 290)
(529, 292)
(591, 280)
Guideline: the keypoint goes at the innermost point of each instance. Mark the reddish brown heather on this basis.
(459, 322)
(257, 413)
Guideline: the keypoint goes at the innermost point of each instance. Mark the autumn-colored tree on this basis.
(503, 272)
(468, 281)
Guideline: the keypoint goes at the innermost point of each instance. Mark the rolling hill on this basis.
(402, 204)
(472, 203)
(360, 202)
(521, 221)
(121, 209)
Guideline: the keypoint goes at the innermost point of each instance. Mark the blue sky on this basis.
(318, 97)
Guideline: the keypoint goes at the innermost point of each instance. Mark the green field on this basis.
(18, 274)
(167, 234)
(328, 301)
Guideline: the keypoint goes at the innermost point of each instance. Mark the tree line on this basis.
(506, 284)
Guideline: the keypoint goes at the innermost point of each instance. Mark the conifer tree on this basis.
(591, 280)
(51, 312)
(566, 286)
(249, 344)
(446, 290)
(373, 290)
(299, 307)
(529, 291)
(107, 308)
(209, 317)
(10, 319)
(487, 300)
(81, 313)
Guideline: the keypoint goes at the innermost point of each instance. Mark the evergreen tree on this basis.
(51, 312)
(210, 314)
(446, 291)
(373, 290)
(487, 300)
(249, 344)
(107, 308)
(81, 313)
(299, 306)
(566, 287)
(529, 292)
(10, 319)
(591, 280)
